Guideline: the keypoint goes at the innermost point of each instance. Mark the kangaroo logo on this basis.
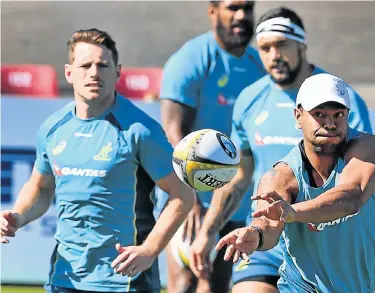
(103, 154)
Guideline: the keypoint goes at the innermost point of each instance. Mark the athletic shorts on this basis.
(261, 264)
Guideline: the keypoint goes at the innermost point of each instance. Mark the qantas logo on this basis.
(321, 226)
(225, 101)
(66, 171)
(259, 140)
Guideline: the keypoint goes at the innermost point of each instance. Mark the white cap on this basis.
(322, 88)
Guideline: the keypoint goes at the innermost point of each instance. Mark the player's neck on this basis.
(237, 51)
(89, 109)
(322, 164)
(306, 71)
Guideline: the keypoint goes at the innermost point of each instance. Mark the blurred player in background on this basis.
(201, 82)
(329, 180)
(101, 156)
(265, 131)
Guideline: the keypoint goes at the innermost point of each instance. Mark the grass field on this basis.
(22, 289)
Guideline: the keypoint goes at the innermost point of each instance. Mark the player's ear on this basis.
(212, 12)
(118, 71)
(302, 48)
(68, 73)
(298, 116)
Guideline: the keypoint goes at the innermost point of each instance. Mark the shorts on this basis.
(261, 264)
(55, 289)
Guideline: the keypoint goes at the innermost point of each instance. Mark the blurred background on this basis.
(340, 35)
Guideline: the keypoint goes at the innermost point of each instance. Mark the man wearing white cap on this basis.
(320, 198)
(264, 128)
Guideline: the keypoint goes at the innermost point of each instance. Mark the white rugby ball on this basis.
(181, 249)
(206, 160)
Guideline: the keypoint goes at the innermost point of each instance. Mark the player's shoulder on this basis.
(55, 119)
(195, 51)
(134, 120)
(250, 95)
(359, 143)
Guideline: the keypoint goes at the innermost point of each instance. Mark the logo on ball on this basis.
(227, 145)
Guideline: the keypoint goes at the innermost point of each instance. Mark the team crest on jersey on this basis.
(59, 148)
(103, 154)
(262, 117)
(223, 81)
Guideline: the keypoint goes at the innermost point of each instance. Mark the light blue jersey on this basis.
(331, 257)
(104, 169)
(203, 76)
(263, 122)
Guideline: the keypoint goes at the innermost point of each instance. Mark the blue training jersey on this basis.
(263, 122)
(105, 170)
(203, 76)
(332, 257)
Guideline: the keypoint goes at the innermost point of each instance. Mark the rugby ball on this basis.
(181, 249)
(206, 160)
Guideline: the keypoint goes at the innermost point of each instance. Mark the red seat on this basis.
(140, 82)
(29, 80)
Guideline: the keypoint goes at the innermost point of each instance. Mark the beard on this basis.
(328, 149)
(231, 39)
(290, 75)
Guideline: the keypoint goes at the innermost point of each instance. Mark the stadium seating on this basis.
(140, 82)
(29, 80)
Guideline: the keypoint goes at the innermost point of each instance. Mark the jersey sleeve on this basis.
(182, 77)
(42, 164)
(359, 117)
(155, 152)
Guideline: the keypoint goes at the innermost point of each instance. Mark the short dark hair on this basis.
(282, 11)
(215, 3)
(95, 37)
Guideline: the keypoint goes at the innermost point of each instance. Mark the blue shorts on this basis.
(55, 289)
(261, 263)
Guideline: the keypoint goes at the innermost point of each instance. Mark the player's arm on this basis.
(35, 197)
(181, 200)
(227, 199)
(179, 93)
(356, 186)
(263, 233)
(281, 182)
(177, 119)
(32, 202)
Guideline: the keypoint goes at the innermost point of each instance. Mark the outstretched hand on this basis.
(278, 209)
(240, 243)
(9, 223)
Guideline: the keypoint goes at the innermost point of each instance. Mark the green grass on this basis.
(22, 289)
(25, 289)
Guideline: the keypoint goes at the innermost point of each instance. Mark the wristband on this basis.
(261, 238)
